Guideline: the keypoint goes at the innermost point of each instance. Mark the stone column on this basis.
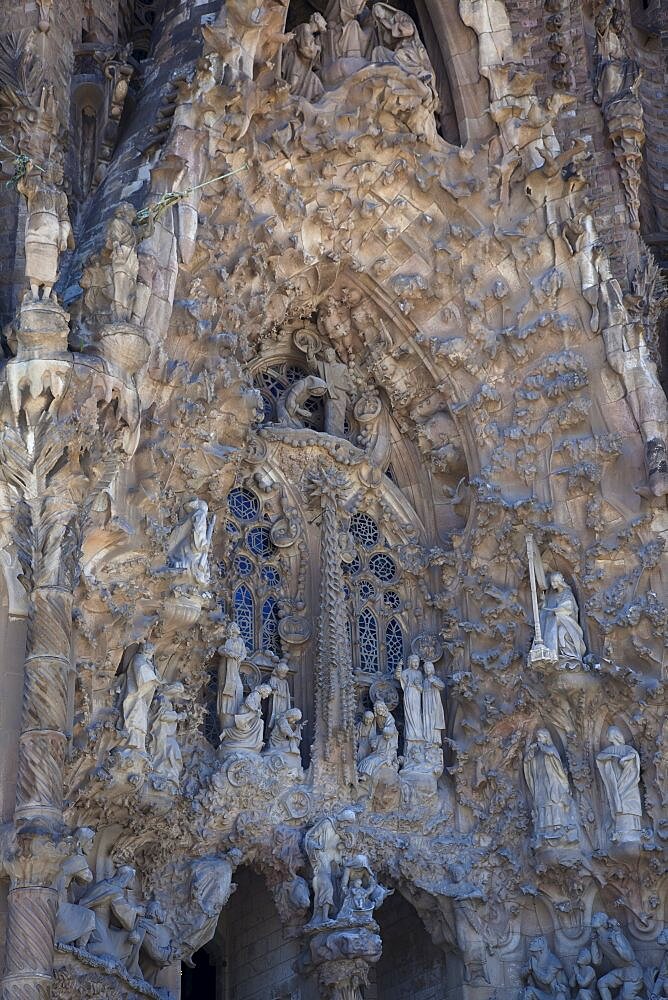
(334, 747)
(53, 410)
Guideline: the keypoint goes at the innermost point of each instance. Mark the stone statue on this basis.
(74, 923)
(346, 41)
(167, 760)
(383, 742)
(285, 736)
(152, 948)
(411, 679)
(210, 888)
(360, 890)
(548, 783)
(398, 42)
(584, 976)
(559, 622)
(230, 687)
(189, 543)
(121, 246)
(337, 376)
(48, 232)
(138, 687)
(619, 767)
(281, 700)
(366, 731)
(246, 733)
(544, 974)
(433, 716)
(660, 986)
(322, 844)
(290, 406)
(301, 57)
(115, 916)
(610, 945)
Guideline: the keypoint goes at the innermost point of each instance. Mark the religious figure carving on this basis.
(138, 687)
(584, 976)
(346, 40)
(230, 687)
(210, 888)
(610, 945)
(433, 716)
(398, 42)
(660, 984)
(290, 406)
(246, 733)
(74, 923)
(302, 56)
(48, 232)
(153, 949)
(383, 742)
(553, 807)
(337, 377)
(361, 892)
(559, 623)
(366, 731)
(323, 847)
(411, 679)
(189, 543)
(115, 916)
(285, 736)
(619, 767)
(121, 246)
(544, 974)
(167, 760)
(281, 700)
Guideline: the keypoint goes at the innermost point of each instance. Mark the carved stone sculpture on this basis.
(552, 805)
(609, 945)
(115, 916)
(619, 767)
(290, 407)
(48, 232)
(323, 847)
(398, 42)
(189, 544)
(153, 949)
(337, 377)
(285, 737)
(411, 679)
(383, 742)
(545, 975)
(660, 984)
(166, 757)
(301, 57)
(246, 733)
(281, 699)
(230, 687)
(584, 976)
(140, 682)
(74, 923)
(433, 715)
(559, 623)
(121, 247)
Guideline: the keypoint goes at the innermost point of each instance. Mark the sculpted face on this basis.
(413, 662)
(543, 736)
(616, 736)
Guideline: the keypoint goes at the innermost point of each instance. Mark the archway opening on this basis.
(411, 965)
(199, 983)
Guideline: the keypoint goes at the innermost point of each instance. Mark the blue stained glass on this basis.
(259, 542)
(394, 644)
(244, 608)
(383, 567)
(367, 590)
(243, 566)
(243, 504)
(271, 576)
(352, 567)
(367, 632)
(391, 600)
(364, 530)
(270, 637)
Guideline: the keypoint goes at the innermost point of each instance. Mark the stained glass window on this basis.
(394, 644)
(244, 614)
(382, 566)
(367, 628)
(364, 530)
(243, 504)
(270, 639)
(259, 541)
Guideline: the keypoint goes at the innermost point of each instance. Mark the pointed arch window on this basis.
(253, 571)
(372, 592)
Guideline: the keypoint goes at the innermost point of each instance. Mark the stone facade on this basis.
(333, 484)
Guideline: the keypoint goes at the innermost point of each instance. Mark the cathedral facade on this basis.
(333, 481)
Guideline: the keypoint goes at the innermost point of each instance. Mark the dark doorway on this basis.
(199, 983)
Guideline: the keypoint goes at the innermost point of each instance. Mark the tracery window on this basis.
(272, 383)
(374, 603)
(253, 570)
